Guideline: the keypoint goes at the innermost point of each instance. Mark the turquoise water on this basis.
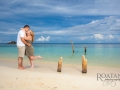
(107, 55)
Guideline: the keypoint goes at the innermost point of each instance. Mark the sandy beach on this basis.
(45, 77)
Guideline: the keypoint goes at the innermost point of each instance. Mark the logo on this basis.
(108, 79)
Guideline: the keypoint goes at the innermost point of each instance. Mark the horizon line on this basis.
(70, 43)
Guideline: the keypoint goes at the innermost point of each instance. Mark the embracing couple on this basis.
(25, 39)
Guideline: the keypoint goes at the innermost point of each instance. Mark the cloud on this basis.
(58, 7)
(42, 39)
(8, 32)
(104, 38)
(111, 36)
(98, 36)
(102, 30)
(107, 25)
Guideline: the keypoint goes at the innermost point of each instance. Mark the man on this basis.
(21, 45)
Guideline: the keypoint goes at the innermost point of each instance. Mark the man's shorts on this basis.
(21, 51)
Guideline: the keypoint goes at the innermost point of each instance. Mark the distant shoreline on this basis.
(12, 42)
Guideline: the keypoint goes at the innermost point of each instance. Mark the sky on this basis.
(60, 21)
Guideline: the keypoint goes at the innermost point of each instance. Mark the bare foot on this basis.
(40, 57)
(21, 68)
(32, 67)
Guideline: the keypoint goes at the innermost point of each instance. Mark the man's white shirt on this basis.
(21, 33)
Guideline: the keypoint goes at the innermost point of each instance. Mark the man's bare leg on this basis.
(20, 63)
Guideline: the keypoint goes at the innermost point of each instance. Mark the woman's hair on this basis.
(32, 34)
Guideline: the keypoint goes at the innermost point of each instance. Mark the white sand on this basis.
(45, 77)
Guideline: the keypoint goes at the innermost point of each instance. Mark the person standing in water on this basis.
(29, 52)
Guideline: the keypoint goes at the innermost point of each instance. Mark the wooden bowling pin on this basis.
(84, 64)
(59, 65)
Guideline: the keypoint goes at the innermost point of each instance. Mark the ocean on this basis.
(105, 55)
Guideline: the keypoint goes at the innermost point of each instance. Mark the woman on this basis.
(29, 52)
